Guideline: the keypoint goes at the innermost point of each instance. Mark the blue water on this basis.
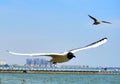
(22, 78)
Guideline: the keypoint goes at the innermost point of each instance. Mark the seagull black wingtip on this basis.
(105, 38)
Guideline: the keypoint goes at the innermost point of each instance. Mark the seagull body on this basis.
(65, 56)
(96, 22)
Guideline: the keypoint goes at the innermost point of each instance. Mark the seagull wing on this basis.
(36, 54)
(92, 45)
(92, 18)
(106, 22)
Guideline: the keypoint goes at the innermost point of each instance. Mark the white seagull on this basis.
(65, 56)
(96, 22)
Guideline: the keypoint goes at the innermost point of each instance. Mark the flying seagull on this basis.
(96, 22)
(65, 56)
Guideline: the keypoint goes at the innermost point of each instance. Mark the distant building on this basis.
(38, 62)
(2, 62)
(29, 62)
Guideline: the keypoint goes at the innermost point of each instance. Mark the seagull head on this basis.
(70, 55)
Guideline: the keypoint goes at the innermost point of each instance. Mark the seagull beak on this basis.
(74, 56)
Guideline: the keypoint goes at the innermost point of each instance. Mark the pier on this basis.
(33, 69)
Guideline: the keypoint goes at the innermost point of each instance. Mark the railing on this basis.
(28, 68)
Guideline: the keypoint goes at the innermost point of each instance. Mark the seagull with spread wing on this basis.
(96, 22)
(65, 56)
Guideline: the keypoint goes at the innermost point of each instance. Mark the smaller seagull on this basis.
(96, 22)
(65, 56)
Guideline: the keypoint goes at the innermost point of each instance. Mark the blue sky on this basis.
(38, 26)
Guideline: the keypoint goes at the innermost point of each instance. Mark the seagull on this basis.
(96, 22)
(65, 56)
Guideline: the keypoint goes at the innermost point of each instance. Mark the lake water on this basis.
(26, 78)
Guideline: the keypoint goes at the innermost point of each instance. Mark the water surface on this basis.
(23, 78)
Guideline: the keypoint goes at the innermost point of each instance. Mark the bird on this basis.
(96, 22)
(65, 56)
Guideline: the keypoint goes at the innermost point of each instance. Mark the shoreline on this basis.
(58, 72)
